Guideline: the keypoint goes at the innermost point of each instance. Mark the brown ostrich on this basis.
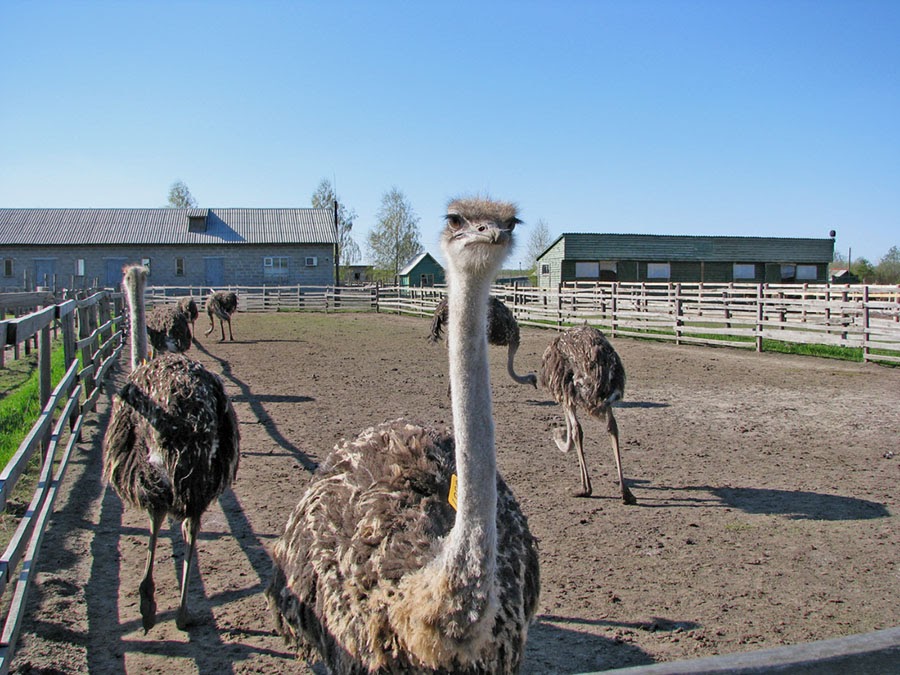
(502, 331)
(168, 329)
(581, 369)
(376, 571)
(188, 307)
(221, 304)
(171, 446)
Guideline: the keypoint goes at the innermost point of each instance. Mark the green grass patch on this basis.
(20, 405)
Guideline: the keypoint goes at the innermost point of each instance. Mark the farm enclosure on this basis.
(766, 484)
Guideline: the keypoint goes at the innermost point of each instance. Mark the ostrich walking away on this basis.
(581, 369)
(502, 331)
(376, 571)
(171, 446)
(221, 304)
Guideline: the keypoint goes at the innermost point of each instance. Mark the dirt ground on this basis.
(767, 484)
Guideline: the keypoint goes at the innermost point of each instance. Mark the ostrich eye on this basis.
(454, 221)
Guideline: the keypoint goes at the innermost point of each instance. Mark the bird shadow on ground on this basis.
(641, 404)
(560, 644)
(255, 402)
(795, 504)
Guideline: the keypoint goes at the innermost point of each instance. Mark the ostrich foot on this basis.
(627, 497)
(185, 620)
(148, 605)
(583, 492)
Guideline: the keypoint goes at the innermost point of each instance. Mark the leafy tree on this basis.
(324, 198)
(538, 241)
(863, 270)
(180, 197)
(394, 241)
(888, 269)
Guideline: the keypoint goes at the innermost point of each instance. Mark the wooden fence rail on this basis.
(735, 315)
(98, 319)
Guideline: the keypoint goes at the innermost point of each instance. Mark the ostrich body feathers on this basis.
(168, 330)
(581, 366)
(172, 440)
(502, 327)
(338, 590)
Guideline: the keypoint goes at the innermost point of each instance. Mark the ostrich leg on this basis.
(574, 436)
(147, 587)
(189, 529)
(613, 430)
(230, 334)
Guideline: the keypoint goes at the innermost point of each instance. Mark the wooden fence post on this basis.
(866, 347)
(679, 314)
(760, 315)
(84, 329)
(614, 308)
(559, 303)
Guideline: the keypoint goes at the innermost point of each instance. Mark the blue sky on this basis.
(767, 118)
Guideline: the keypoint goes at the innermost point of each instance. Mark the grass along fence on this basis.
(92, 338)
(862, 318)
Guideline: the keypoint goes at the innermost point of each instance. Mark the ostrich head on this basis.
(471, 224)
(134, 280)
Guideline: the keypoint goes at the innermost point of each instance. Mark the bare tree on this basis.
(395, 239)
(180, 197)
(324, 198)
(538, 241)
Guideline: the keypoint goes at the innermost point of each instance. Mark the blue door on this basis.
(114, 272)
(44, 271)
(215, 272)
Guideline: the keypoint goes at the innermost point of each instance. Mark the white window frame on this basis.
(545, 268)
(267, 261)
(79, 267)
(744, 271)
(312, 261)
(659, 270)
(587, 269)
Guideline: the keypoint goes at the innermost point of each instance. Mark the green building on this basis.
(679, 258)
(422, 271)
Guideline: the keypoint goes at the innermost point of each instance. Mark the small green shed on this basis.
(681, 258)
(422, 271)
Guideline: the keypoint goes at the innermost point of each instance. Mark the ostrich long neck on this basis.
(137, 314)
(471, 547)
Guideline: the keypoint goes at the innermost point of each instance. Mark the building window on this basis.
(427, 280)
(659, 270)
(275, 267)
(587, 270)
(545, 268)
(788, 272)
(79, 267)
(179, 267)
(146, 263)
(806, 272)
(744, 271)
(608, 271)
(312, 261)
(7, 267)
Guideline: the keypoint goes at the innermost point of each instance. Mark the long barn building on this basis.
(681, 258)
(182, 247)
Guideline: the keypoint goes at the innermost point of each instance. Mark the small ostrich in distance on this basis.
(188, 307)
(171, 446)
(168, 329)
(376, 571)
(221, 304)
(502, 331)
(580, 368)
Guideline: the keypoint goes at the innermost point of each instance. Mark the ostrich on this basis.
(502, 330)
(375, 570)
(189, 308)
(171, 446)
(221, 304)
(167, 329)
(580, 368)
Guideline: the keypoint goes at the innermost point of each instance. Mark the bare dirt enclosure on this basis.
(767, 503)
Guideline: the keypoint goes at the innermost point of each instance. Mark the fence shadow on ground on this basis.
(256, 405)
(794, 504)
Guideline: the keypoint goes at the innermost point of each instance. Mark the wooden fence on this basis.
(734, 315)
(92, 338)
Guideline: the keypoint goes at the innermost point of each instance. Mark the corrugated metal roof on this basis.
(165, 226)
(667, 248)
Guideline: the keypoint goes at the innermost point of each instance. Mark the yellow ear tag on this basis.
(452, 496)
